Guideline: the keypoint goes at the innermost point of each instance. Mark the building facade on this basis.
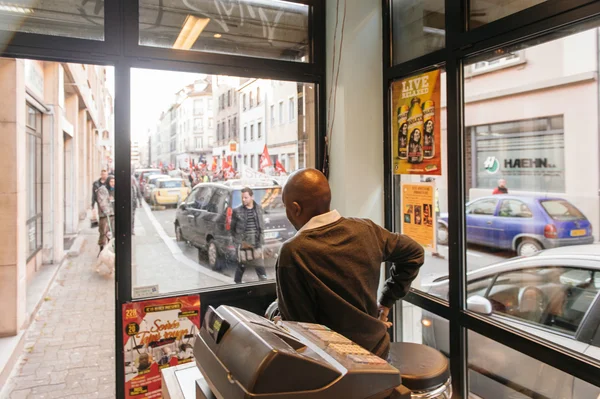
(57, 136)
(227, 118)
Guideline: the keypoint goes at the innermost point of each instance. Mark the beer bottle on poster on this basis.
(429, 126)
(415, 131)
(402, 131)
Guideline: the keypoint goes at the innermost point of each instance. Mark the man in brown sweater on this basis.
(328, 273)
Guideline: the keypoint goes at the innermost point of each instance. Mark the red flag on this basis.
(160, 165)
(227, 168)
(279, 167)
(214, 164)
(265, 159)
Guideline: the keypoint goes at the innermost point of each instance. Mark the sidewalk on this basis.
(69, 348)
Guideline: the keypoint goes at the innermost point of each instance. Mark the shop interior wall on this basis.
(356, 146)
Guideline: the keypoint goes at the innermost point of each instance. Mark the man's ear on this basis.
(297, 209)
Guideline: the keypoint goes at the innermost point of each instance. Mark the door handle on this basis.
(489, 223)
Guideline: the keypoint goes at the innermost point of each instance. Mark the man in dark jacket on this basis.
(248, 229)
(328, 273)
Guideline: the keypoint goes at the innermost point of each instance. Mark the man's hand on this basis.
(383, 315)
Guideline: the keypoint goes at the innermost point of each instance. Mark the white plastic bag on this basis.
(105, 265)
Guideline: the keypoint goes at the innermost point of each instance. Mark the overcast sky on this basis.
(152, 92)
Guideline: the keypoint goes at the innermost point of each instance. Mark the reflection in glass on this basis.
(485, 11)
(418, 28)
(497, 371)
(266, 29)
(532, 256)
(191, 228)
(80, 19)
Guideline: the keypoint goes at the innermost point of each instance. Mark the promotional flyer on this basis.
(418, 213)
(157, 334)
(416, 125)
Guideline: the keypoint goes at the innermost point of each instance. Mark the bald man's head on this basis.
(306, 195)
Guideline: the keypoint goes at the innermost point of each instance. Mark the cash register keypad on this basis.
(330, 336)
(349, 349)
(311, 326)
(367, 359)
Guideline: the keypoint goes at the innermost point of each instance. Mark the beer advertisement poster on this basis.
(157, 334)
(416, 125)
(418, 213)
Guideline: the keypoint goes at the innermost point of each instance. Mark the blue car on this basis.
(522, 224)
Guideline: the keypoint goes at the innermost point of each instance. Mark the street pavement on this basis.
(158, 259)
(70, 347)
(193, 268)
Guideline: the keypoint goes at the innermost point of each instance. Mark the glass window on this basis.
(272, 115)
(77, 19)
(198, 124)
(507, 373)
(291, 111)
(485, 11)
(184, 241)
(198, 107)
(526, 154)
(274, 29)
(418, 28)
(482, 207)
(258, 96)
(244, 101)
(281, 112)
(210, 123)
(420, 185)
(209, 104)
(514, 209)
(251, 95)
(540, 241)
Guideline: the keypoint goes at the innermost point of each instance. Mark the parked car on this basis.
(169, 191)
(144, 176)
(522, 224)
(204, 219)
(552, 295)
(151, 184)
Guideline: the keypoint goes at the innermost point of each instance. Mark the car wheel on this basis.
(179, 233)
(528, 247)
(442, 234)
(213, 255)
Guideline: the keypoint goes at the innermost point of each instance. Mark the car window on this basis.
(171, 184)
(554, 297)
(479, 287)
(217, 202)
(562, 210)
(483, 207)
(191, 198)
(202, 197)
(512, 208)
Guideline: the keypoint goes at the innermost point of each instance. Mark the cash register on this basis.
(243, 355)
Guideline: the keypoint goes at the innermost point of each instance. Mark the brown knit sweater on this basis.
(329, 275)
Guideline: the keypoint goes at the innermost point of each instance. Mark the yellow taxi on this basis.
(169, 191)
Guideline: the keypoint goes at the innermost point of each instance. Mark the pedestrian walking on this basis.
(501, 189)
(106, 211)
(97, 184)
(248, 228)
(136, 201)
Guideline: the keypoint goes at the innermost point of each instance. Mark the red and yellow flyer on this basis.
(157, 333)
(416, 125)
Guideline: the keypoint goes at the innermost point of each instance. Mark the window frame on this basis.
(537, 21)
(35, 133)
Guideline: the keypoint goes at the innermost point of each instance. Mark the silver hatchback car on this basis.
(553, 295)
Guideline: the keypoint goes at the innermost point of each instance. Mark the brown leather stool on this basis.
(424, 370)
